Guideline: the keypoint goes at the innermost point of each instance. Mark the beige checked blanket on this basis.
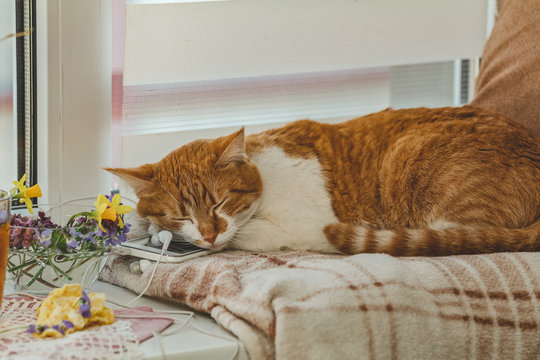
(301, 305)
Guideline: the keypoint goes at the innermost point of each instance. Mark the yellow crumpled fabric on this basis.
(63, 304)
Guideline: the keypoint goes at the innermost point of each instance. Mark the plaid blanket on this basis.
(301, 305)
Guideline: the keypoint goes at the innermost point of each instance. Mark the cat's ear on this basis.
(235, 150)
(139, 178)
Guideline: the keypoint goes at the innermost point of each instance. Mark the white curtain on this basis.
(203, 69)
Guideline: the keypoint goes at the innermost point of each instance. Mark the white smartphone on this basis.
(178, 250)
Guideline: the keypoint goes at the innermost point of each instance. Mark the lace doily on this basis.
(116, 341)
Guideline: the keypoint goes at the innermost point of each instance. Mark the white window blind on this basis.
(209, 40)
(238, 102)
(203, 69)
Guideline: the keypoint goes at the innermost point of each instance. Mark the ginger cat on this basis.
(404, 182)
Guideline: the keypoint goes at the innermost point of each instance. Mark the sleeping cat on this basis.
(403, 182)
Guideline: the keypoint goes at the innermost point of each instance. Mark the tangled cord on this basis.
(165, 238)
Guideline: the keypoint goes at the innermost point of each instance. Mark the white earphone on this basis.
(161, 238)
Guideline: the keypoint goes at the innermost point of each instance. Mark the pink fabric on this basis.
(144, 327)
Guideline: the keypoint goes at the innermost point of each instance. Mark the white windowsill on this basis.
(186, 344)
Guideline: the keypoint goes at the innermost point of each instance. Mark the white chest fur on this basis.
(294, 206)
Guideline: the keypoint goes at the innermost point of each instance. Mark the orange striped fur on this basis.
(405, 182)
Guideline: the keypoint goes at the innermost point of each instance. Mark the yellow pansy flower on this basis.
(19, 185)
(119, 209)
(103, 211)
(24, 194)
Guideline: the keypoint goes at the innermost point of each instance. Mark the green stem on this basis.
(77, 257)
(21, 270)
(13, 328)
(73, 217)
(22, 265)
(75, 264)
(57, 269)
(38, 274)
(56, 272)
(83, 260)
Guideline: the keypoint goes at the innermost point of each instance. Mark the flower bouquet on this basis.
(44, 255)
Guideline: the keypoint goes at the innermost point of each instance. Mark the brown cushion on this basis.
(509, 78)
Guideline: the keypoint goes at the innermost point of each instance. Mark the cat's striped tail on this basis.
(432, 241)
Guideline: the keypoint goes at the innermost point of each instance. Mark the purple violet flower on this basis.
(84, 306)
(73, 232)
(72, 244)
(61, 328)
(67, 324)
(58, 328)
(89, 238)
(46, 242)
(80, 221)
(27, 230)
(46, 233)
(45, 236)
(31, 329)
(45, 221)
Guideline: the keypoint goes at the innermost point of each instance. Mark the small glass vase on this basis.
(32, 273)
(5, 214)
(36, 268)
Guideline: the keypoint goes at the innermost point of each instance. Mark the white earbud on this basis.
(135, 267)
(161, 239)
(155, 240)
(165, 238)
(145, 265)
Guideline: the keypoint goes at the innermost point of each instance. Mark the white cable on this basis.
(237, 348)
(161, 347)
(141, 316)
(165, 237)
(190, 314)
(178, 312)
(92, 264)
(163, 334)
(189, 321)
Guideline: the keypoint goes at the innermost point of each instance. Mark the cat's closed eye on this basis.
(243, 191)
(183, 219)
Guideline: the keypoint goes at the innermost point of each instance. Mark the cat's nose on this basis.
(210, 238)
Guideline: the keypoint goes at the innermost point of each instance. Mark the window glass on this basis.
(8, 157)
(163, 101)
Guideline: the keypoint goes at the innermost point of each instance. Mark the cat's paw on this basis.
(341, 236)
(153, 229)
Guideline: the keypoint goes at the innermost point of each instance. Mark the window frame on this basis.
(73, 98)
(25, 89)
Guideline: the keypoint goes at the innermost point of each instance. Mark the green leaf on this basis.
(58, 270)
(25, 264)
(61, 242)
(36, 276)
